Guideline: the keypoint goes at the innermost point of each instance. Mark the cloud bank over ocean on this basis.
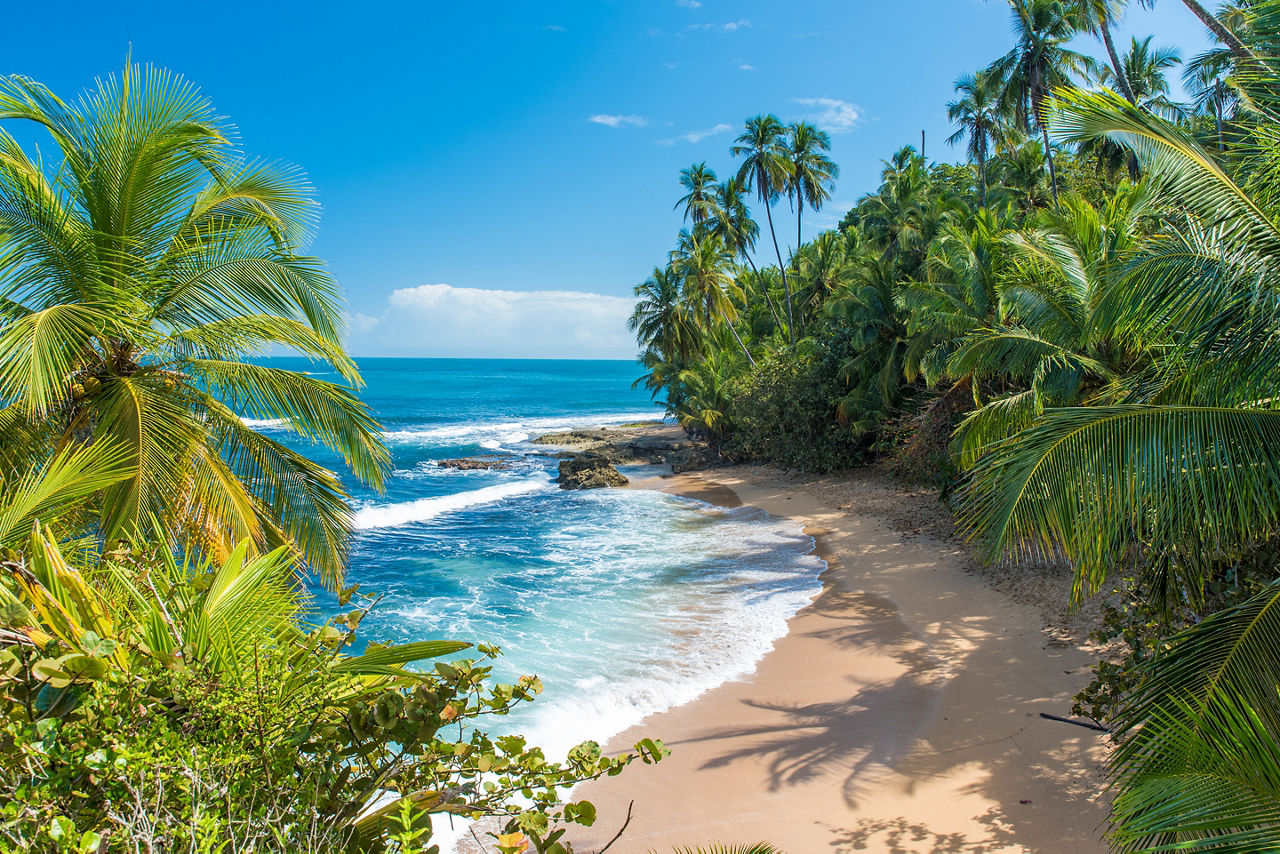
(445, 320)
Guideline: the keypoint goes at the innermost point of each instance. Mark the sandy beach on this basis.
(900, 713)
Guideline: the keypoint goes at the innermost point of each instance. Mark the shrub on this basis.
(784, 411)
(150, 705)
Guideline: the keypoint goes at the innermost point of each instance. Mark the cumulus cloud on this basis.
(443, 320)
(619, 121)
(832, 114)
(745, 67)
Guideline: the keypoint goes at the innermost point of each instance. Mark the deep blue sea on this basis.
(624, 602)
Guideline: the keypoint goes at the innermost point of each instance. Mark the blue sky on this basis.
(497, 176)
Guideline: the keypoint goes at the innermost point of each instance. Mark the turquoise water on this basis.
(624, 602)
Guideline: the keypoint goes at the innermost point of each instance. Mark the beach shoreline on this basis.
(899, 712)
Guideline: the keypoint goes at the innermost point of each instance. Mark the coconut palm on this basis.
(661, 319)
(1220, 31)
(1099, 16)
(822, 268)
(1185, 466)
(1199, 759)
(979, 116)
(1056, 336)
(1207, 79)
(960, 293)
(1144, 70)
(765, 170)
(136, 278)
(700, 200)
(811, 173)
(706, 271)
(739, 232)
(1040, 63)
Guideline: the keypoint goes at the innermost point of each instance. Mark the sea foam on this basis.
(408, 512)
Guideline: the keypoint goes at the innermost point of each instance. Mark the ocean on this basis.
(624, 602)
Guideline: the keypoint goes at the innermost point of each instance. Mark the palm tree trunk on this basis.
(1122, 80)
(982, 176)
(1048, 156)
(737, 338)
(799, 213)
(764, 289)
(786, 288)
(1237, 47)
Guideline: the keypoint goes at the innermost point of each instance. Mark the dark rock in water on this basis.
(473, 463)
(589, 471)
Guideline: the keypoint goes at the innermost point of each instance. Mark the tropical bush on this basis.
(784, 411)
(158, 704)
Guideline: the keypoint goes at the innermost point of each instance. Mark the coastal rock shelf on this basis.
(652, 442)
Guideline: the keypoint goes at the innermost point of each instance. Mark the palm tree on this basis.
(699, 202)
(661, 319)
(739, 231)
(960, 293)
(705, 268)
(1184, 463)
(1098, 16)
(1055, 334)
(1039, 64)
(811, 173)
(979, 116)
(1207, 79)
(1220, 31)
(1199, 751)
(135, 280)
(765, 169)
(1144, 78)
(1144, 70)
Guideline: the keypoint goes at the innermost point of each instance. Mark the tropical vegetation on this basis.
(1073, 331)
(167, 680)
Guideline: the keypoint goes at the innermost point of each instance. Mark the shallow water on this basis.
(624, 602)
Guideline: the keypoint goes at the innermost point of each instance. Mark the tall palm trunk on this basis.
(764, 289)
(1038, 109)
(982, 174)
(1224, 35)
(738, 338)
(799, 214)
(1122, 79)
(786, 287)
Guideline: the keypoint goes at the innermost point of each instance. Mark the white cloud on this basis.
(689, 4)
(619, 121)
(700, 135)
(729, 27)
(443, 320)
(555, 28)
(745, 67)
(832, 114)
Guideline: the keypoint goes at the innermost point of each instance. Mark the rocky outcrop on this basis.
(474, 463)
(653, 443)
(589, 471)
